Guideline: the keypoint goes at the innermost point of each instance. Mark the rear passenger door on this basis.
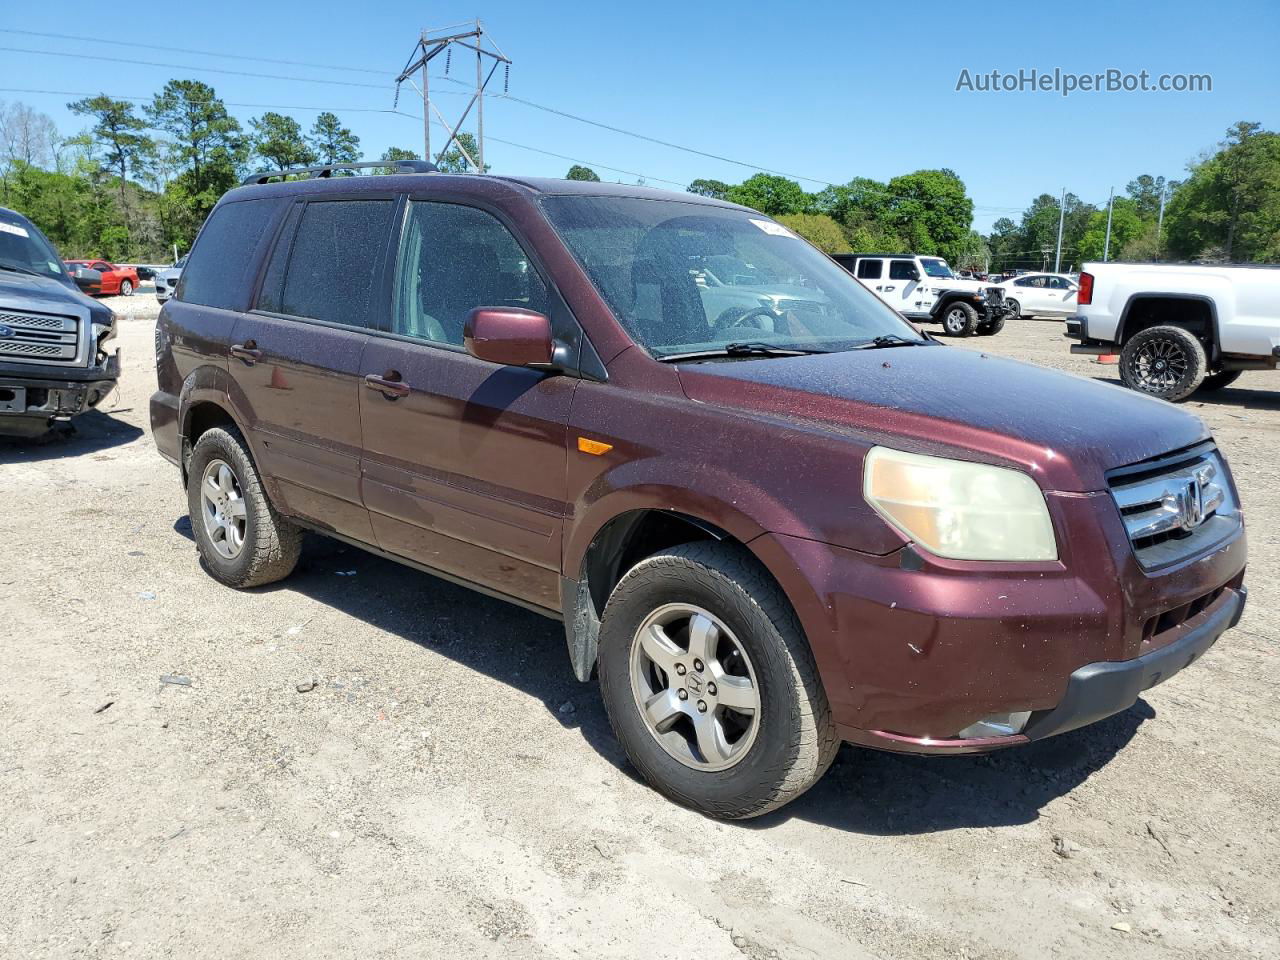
(464, 461)
(295, 358)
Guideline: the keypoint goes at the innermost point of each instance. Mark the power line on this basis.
(202, 53)
(188, 67)
(229, 103)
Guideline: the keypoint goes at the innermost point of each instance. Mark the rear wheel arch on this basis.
(1194, 313)
(198, 417)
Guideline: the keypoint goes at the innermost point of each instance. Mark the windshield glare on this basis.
(688, 277)
(24, 247)
(937, 268)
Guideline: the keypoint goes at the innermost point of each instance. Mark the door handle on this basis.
(390, 384)
(891, 288)
(247, 351)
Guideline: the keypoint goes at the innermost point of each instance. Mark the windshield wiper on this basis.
(17, 269)
(887, 340)
(753, 348)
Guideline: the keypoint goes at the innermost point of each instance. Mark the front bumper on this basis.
(29, 405)
(1101, 690)
(912, 648)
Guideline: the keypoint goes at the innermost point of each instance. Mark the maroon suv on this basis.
(771, 514)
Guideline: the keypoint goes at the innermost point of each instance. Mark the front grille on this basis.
(40, 338)
(995, 295)
(1175, 506)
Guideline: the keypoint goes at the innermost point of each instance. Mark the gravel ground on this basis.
(446, 789)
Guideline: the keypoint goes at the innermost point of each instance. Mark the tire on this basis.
(268, 544)
(781, 748)
(1219, 380)
(126, 288)
(992, 328)
(1165, 362)
(1013, 309)
(959, 319)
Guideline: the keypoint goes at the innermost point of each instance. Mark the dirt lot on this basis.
(447, 789)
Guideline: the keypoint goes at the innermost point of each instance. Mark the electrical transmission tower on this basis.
(431, 43)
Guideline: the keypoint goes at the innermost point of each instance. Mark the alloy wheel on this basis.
(225, 514)
(695, 687)
(1159, 365)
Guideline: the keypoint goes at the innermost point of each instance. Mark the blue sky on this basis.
(815, 90)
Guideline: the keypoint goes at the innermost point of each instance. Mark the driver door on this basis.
(905, 289)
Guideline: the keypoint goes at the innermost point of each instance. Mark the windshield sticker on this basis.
(13, 228)
(771, 228)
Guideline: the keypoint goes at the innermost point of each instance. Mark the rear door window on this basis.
(336, 261)
(220, 272)
(870, 269)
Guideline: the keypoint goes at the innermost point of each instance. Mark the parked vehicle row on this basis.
(1179, 328)
(771, 514)
(1040, 295)
(116, 281)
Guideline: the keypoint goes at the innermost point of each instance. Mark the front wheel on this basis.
(242, 540)
(1013, 309)
(1165, 362)
(126, 288)
(959, 319)
(710, 685)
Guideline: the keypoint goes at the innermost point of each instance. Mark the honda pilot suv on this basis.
(771, 515)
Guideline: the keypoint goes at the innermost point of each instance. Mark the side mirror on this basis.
(89, 281)
(508, 335)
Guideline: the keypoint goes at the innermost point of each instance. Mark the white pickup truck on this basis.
(1179, 328)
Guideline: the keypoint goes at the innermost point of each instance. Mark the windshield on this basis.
(937, 268)
(24, 248)
(686, 277)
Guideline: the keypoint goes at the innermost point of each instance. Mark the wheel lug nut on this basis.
(681, 669)
(697, 665)
(711, 689)
(702, 706)
(682, 693)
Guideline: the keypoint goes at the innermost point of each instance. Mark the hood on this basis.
(1065, 430)
(20, 291)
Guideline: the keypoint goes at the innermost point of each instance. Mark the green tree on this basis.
(715, 189)
(332, 142)
(278, 140)
(1126, 225)
(1144, 190)
(1230, 205)
(454, 160)
(930, 209)
(579, 172)
(771, 194)
(119, 131)
(819, 229)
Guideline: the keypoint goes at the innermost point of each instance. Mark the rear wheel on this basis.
(1165, 362)
(1223, 378)
(710, 685)
(242, 540)
(126, 288)
(959, 319)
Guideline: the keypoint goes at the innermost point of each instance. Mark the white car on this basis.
(167, 280)
(1040, 295)
(1178, 327)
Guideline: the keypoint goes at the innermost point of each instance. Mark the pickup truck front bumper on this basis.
(30, 404)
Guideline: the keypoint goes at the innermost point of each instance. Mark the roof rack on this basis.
(401, 166)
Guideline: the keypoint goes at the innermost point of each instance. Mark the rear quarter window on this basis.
(220, 272)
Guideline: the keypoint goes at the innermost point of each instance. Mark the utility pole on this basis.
(1062, 213)
(430, 44)
(1160, 221)
(1106, 247)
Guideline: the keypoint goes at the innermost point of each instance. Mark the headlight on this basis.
(960, 510)
(104, 331)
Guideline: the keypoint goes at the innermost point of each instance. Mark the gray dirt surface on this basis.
(433, 796)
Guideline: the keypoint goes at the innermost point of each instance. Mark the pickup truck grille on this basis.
(40, 338)
(1176, 506)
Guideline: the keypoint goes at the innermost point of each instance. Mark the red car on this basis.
(116, 281)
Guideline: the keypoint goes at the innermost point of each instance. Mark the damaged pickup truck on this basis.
(54, 362)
